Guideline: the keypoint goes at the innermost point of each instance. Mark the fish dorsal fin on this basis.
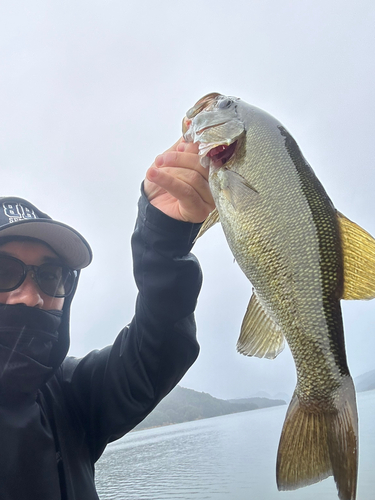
(260, 336)
(237, 189)
(359, 260)
(212, 219)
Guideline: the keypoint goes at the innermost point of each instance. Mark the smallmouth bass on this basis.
(302, 257)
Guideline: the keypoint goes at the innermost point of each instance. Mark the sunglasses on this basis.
(54, 280)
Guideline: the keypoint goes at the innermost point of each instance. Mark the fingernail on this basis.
(159, 160)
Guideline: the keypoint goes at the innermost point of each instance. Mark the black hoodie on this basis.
(56, 421)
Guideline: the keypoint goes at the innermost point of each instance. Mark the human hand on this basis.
(177, 184)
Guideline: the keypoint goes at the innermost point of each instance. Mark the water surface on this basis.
(229, 457)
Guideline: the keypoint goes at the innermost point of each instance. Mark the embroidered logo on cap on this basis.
(16, 212)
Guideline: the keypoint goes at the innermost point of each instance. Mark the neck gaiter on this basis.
(27, 336)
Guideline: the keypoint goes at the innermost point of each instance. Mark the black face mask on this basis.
(27, 337)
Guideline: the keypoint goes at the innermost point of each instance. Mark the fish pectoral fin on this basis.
(237, 189)
(260, 336)
(212, 219)
(318, 442)
(359, 260)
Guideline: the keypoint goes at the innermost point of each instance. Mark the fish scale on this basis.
(302, 257)
(292, 230)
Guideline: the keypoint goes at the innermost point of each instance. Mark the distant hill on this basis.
(365, 382)
(259, 402)
(262, 394)
(184, 405)
(282, 395)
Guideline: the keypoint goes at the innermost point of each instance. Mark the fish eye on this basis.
(224, 103)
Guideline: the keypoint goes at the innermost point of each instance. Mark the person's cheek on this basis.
(53, 303)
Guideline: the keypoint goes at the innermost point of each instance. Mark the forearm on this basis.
(160, 343)
(168, 277)
(117, 387)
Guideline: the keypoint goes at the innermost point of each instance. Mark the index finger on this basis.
(181, 145)
(188, 147)
(186, 160)
(175, 145)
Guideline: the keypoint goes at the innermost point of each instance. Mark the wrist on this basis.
(179, 233)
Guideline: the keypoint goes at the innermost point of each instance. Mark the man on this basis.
(57, 414)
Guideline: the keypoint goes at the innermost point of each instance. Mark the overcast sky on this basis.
(91, 91)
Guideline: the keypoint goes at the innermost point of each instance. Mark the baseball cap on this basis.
(18, 217)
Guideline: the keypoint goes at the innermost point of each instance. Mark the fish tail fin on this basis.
(315, 444)
(343, 441)
(303, 455)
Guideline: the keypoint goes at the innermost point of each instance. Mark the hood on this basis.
(61, 348)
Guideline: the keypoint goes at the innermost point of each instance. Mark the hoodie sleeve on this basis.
(110, 391)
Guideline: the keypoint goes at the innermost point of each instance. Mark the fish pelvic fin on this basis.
(315, 444)
(211, 220)
(359, 260)
(260, 336)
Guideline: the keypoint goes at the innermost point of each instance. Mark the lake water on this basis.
(229, 457)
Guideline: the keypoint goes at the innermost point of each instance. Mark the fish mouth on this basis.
(220, 155)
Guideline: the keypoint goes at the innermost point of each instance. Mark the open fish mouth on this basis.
(222, 154)
(215, 155)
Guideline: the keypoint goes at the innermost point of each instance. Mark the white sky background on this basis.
(91, 91)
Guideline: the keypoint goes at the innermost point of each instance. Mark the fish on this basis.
(302, 257)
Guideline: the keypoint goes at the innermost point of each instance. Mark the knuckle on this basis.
(191, 147)
(195, 177)
(188, 191)
(171, 158)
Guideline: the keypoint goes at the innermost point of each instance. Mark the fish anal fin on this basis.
(319, 442)
(359, 260)
(211, 220)
(260, 336)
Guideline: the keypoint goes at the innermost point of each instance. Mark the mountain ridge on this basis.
(185, 405)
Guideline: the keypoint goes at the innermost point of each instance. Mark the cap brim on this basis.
(64, 240)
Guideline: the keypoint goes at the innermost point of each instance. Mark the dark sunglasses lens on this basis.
(54, 280)
(11, 274)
